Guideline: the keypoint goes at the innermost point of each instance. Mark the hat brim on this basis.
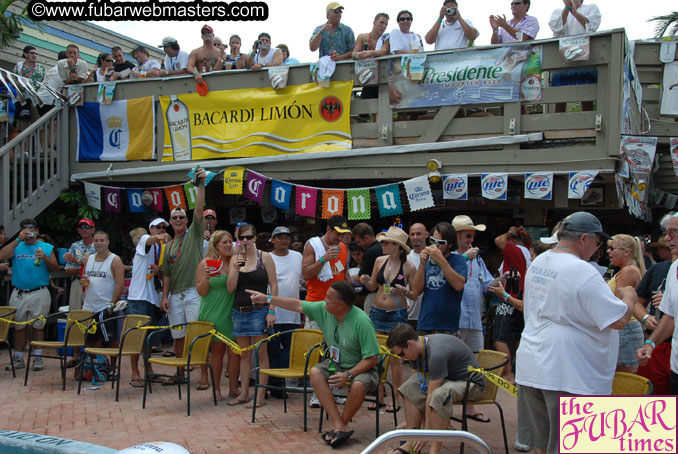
(462, 227)
(383, 237)
(340, 230)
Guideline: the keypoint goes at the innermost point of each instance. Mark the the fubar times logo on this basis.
(617, 424)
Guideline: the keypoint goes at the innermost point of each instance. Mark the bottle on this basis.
(530, 87)
(37, 260)
(332, 368)
(365, 45)
(179, 126)
(533, 65)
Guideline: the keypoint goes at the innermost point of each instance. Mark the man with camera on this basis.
(261, 55)
(451, 31)
(32, 260)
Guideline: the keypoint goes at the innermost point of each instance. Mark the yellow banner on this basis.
(233, 180)
(257, 122)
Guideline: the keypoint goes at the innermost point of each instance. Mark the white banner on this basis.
(419, 193)
(93, 194)
(539, 186)
(494, 185)
(639, 152)
(455, 187)
(579, 183)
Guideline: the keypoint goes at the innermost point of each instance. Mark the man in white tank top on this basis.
(104, 282)
(262, 55)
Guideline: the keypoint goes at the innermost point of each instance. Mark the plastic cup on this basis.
(213, 267)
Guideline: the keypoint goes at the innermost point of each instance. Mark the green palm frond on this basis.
(663, 23)
(11, 25)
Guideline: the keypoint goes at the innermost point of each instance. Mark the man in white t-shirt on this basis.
(402, 40)
(147, 67)
(418, 238)
(142, 297)
(569, 344)
(450, 30)
(669, 307)
(176, 60)
(288, 272)
(262, 55)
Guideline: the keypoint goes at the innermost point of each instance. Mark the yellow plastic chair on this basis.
(131, 343)
(74, 337)
(625, 384)
(196, 350)
(494, 362)
(7, 315)
(382, 365)
(304, 354)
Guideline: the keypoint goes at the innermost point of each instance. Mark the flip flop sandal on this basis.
(479, 417)
(137, 383)
(396, 409)
(235, 402)
(168, 354)
(202, 386)
(329, 435)
(375, 407)
(340, 438)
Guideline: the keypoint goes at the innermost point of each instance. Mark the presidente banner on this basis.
(495, 75)
(257, 122)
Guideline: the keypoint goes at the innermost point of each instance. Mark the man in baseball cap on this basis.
(338, 223)
(205, 58)
(176, 60)
(76, 257)
(210, 217)
(563, 285)
(333, 38)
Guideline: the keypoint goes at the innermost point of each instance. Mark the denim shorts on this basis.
(630, 340)
(247, 324)
(385, 321)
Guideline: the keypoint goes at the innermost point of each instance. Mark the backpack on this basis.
(97, 370)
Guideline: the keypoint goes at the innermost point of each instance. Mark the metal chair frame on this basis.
(7, 313)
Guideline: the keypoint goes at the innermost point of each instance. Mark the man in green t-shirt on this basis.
(183, 254)
(353, 345)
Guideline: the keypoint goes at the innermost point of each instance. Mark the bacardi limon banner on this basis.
(257, 122)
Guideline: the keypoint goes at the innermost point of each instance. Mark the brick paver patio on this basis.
(95, 417)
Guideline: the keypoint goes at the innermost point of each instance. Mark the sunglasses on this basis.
(178, 218)
(162, 227)
(404, 19)
(209, 216)
(206, 32)
(469, 235)
(516, 3)
(245, 237)
(438, 242)
(33, 52)
(85, 227)
(109, 60)
(337, 11)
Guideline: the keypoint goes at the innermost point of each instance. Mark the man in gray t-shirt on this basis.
(441, 362)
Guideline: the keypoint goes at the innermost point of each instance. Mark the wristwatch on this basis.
(349, 376)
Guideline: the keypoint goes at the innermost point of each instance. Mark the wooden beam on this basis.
(439, 123)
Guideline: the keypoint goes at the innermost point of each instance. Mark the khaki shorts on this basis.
(183, 308)
(443, 396)
(29, 305)
(370, 378)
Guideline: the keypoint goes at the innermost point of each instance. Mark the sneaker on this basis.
(339, 396)
(518, 446)
(37, 363)
(314, 402)
(18, 364)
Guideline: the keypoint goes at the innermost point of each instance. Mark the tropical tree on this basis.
(11, 22)
(667, 22)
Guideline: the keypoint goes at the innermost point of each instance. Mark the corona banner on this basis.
(257, 122)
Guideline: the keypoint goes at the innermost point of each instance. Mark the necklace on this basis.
(173, 258)
(101, 263)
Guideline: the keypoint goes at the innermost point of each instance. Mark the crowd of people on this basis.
(450, 30)
(425, 289)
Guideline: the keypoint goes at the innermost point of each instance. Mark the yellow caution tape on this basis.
(175, 328)
(12, 322)
(385, 351)
(235, 347)
(83, 327)
(497, 380)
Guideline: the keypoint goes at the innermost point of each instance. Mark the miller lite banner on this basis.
(494, 185)
(120, 131)
(579, 183)
(673, 144)
(257, 122)
(455, 187)
(539, 186)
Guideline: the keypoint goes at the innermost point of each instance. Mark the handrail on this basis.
(29, 131)
(428, 435)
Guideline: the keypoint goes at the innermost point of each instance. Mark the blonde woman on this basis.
(625, 252)
(216, 306)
